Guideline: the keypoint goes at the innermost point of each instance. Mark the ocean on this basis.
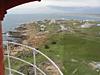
(11, 21)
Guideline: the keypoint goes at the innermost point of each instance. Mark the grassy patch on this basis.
(81, 49)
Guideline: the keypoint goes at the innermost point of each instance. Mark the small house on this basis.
(42, 29)
(42, 26)
(39, 24)
(81, 21)
(74, 23)
(98, 24)
(53, 21)
(50, 23)
(45, 27)
(58, 22)
(87, 20)
(63, 18)
(63, 28)
(99, 32)
(64, 21)
(82, 26)
(44, 22)
(35, 22)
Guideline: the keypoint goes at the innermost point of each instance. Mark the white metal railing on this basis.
(35, 67)
(27, 63)
(14, 71)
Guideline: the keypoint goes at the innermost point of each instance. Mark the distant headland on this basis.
(89, 15)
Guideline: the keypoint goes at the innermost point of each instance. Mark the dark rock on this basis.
(66, 60)
(29, 69)
(54, 42)
(50, 56)
(14, 33)
(11, 46)
(19, 41)
(62, 38)
(52, 39)
(19, 36)
(87, 64)
(10, 40)
(4, 33)
(20, 28)
(22, 25)
(37, 48)
(43, 62)
(30, 72)
(31, 55)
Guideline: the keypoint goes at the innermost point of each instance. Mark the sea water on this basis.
(11, 21)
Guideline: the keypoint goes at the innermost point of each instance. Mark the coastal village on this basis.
(39, 35)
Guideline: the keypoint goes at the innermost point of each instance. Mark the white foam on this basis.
(8, 34)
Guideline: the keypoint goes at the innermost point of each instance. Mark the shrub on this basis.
(54, 42)
(18, 51)
(46, 47)
(49, 69)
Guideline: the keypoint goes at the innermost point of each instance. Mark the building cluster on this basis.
(62, 22)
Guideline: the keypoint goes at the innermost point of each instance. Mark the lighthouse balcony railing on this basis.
(34, 59)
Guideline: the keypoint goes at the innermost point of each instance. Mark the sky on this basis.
(57, 6)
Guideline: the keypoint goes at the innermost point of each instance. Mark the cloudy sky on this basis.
(58, 6)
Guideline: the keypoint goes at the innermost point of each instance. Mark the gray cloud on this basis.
(58, 6)
(91, 10)
(56, 9)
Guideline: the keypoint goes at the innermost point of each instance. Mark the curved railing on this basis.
(14, 71)
(25, 62)
(34, 50)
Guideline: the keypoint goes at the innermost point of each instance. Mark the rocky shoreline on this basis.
(29, 35)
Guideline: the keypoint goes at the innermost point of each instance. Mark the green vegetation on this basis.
(83, 50)
(83, 46)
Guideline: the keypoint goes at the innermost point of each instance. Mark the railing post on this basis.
(8, 59)
(34, 62)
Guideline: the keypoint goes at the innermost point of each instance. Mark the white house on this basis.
(81, 21)
(53, 21)
(42, 29)
(64, 21)
(42, 26)
(87, 20)
(63, 18)
(98, 24)
(82, 26)
(45, 27)
(39, 24)
(74, 23)
(50, 23)
(44, 22)
(58, 22)
(63, 28)
(99, 32)
(35, 22)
